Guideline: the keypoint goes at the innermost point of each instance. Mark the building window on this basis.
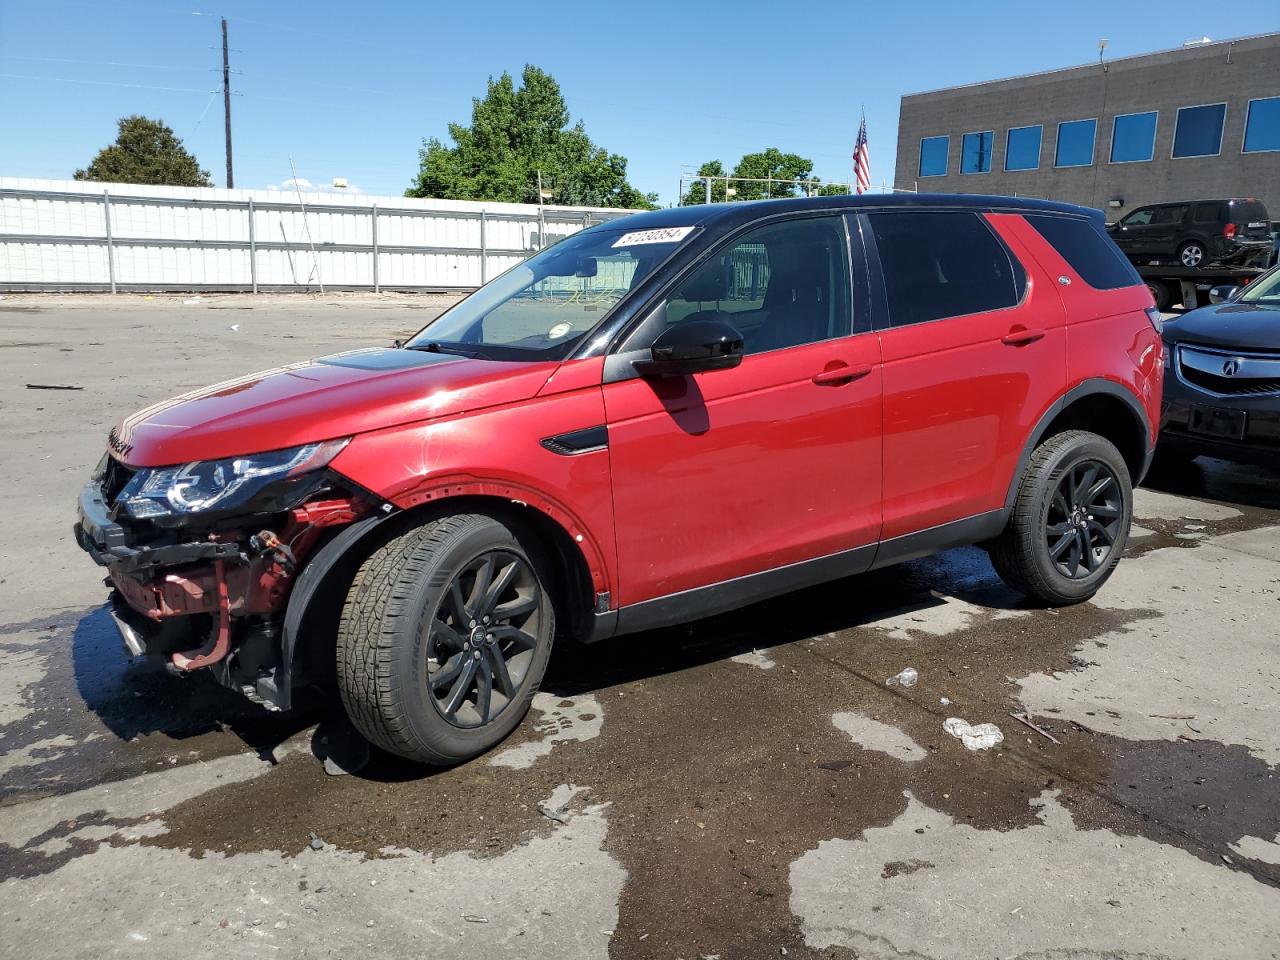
(1262, 125)
(1133, 137)
(975, 152)
(933, 156)
(1075, 143)
(1022, 148)
(1198, 132)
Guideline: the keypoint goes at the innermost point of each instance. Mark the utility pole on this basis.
(226, 100)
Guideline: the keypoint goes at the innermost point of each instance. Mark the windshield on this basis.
(540, 309)
(1265, 291)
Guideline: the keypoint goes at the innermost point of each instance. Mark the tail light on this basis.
(1229, 230)
(1157, 321)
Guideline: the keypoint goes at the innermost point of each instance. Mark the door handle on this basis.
(1020, 338)
(841, 374)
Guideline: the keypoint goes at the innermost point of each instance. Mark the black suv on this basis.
(1196, 233)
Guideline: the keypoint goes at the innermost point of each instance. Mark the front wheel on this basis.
(1070, 521)
(444, 639)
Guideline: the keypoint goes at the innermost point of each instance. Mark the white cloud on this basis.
(294, 184)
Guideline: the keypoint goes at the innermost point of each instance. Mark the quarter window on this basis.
(783, 285)
(933, 156)
(1088, 250)
(975, 152)
(1133, 137)
(1022, 148)
(1198, 132)
(1075, 143)
(938, 265)
(1262, 125)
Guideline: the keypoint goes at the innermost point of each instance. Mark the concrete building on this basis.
(1200, 121)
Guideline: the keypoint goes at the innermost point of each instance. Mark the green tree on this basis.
(146, 151)
(515, 133)
(769, 164)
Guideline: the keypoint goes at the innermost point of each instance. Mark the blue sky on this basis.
(350, 89)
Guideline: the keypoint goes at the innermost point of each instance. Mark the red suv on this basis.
(656, 419)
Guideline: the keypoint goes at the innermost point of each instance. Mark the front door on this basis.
(725, 474)
(974, 352)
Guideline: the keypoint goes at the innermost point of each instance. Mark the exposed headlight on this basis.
(219, 485)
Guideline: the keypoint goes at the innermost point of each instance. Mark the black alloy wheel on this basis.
(1084, 520)
(482, 638)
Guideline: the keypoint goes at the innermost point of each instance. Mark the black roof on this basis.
(728, 214)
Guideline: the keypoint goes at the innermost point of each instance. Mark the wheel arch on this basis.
(310, 621)
(1103, 407)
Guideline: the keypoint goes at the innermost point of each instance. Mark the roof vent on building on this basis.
(1197, 42)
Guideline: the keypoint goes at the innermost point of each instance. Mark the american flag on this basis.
(862, 159)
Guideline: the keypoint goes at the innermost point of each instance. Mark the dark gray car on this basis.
(1222, 380)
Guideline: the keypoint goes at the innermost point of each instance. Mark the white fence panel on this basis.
(72, 235)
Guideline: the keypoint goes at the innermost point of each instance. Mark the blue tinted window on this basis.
(1075, 143)
(933, 156)
(1199, 131)
(1022, 148)
(1133, 137)
(975, 152)
(1262, 127)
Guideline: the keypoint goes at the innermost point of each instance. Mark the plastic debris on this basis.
(192, 302)
(316, 843)
(235, 328)
(51, 386)
(981, 736)
(1026, 721)
(945, 701)
(907, 678)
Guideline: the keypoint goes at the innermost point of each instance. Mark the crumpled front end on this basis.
(201, 559)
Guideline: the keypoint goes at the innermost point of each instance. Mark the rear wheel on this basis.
(1070, 520)
(1192, 255)
(444, 639)
(1160, 294)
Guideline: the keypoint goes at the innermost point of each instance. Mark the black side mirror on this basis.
(1223, 293)
(693, 347)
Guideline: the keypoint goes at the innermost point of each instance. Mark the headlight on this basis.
(220, 485)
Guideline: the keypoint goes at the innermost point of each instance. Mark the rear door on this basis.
(724, 474)
(974, 352)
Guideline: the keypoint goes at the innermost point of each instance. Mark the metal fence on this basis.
(70, 235)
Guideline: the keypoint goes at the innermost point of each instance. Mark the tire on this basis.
(405, 645)
(1160, 294)
(1193, 255)
(1043, 518)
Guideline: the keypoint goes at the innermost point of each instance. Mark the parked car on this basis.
(1222, 387)
(657, 419)
(1196, 234)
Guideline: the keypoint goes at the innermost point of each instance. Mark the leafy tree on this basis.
(146, 151)
(516, 132)
(783, 168)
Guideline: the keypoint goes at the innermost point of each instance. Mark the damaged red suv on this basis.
(657, 419)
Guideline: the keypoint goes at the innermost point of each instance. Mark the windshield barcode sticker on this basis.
(661, 235)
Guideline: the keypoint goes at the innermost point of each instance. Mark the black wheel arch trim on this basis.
(1086, 388)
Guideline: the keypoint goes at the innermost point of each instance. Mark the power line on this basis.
(103, 63)
(101, 83)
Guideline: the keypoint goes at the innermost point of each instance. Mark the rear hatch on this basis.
(1251, 220)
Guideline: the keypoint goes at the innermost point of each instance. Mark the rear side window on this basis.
(1208, 213)
(938, 265)
(1089, 251)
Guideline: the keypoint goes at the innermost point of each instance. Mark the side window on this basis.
(1139, 218)
(938, 265)
(1208, 213)
(1172, 214)
(1088, 250)
(782, 285)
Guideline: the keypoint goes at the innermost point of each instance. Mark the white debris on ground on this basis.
(872, 734)
(905, 678)
(563, 720)
(754, 659)
(980, 736)
(1038, 891)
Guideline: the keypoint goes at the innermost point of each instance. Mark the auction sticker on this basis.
(661, 235)
(559, 330)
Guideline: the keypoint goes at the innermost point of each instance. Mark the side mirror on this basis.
(692, 348)
(1223, 293)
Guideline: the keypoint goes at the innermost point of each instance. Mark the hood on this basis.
(1239, 326)
(323, 399)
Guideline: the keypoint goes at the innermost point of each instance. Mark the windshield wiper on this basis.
(436, 347)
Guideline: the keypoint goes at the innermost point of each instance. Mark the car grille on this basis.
(1229, 374)
(114, 479)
